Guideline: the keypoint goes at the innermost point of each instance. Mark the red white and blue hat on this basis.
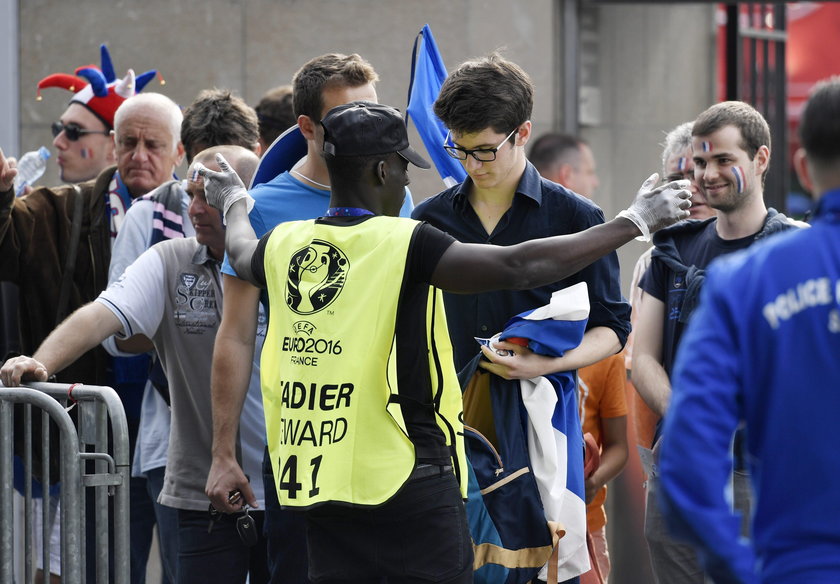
(97, 89)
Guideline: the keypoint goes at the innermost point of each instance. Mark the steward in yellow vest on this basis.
(357, 372)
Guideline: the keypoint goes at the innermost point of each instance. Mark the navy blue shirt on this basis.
(540, 208)
(697, 247)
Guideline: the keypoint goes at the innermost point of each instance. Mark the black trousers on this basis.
(420, 536)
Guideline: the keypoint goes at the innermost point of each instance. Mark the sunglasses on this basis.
(74, 131)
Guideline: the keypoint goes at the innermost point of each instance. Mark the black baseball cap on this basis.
(364, 128)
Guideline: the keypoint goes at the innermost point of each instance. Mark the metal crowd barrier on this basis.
(90, 457)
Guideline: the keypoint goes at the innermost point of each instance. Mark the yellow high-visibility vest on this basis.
(329, 375)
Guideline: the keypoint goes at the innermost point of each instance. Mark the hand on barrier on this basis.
(8, 172)
(655, 208)
(22, 368)
(227, 486)
(222, 189)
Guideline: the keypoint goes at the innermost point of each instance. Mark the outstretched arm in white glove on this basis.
(225, 191)
(655, 208)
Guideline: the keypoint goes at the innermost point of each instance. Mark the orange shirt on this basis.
(601, 388)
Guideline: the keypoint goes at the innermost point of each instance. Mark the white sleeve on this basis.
(132, 239)
(137, 298)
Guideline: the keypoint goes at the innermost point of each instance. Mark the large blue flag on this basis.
(427, 75)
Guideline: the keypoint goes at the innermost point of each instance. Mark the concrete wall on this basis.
(655, 67)
(252, 45)
(651, 65)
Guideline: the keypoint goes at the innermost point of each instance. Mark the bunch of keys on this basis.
(245, 525)
(247, 529)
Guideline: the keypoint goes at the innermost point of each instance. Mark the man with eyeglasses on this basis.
(486, 104)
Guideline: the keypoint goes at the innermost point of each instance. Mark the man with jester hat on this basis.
(55, 243)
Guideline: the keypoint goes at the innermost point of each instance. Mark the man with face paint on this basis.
(677, 163)
(762, 352)
(730, 145)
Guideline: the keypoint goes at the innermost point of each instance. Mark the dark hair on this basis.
(352, 169)
(819, 127)
(555, 148)
(490, 92)
(217, 117)
(275, 113)
(755, 132)
(330, 70)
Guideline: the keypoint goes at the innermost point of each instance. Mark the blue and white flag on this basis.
(427, 75)
(555, 437)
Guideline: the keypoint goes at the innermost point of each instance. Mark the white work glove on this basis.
(222, 189)
(655, 208)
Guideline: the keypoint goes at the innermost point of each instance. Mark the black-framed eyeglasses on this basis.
(480, 154)
(74, 131)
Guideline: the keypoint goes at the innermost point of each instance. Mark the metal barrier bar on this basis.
(98, 407)
(71, 487)
(101, 496)
(27, 513)
(6, 526)
(46, 530)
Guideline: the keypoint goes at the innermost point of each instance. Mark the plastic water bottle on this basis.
(30, 168)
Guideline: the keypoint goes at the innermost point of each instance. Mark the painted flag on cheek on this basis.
(739, 178)
(427, 75)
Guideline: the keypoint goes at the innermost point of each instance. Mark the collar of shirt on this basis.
(530, 185)
(202, 256)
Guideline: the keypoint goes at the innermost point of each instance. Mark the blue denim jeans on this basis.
(142, 512)
(167, 523)
(145, 513)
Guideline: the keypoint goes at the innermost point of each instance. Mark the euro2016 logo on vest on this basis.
(316, 277)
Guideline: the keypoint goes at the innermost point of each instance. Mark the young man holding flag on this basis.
(486, 105)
